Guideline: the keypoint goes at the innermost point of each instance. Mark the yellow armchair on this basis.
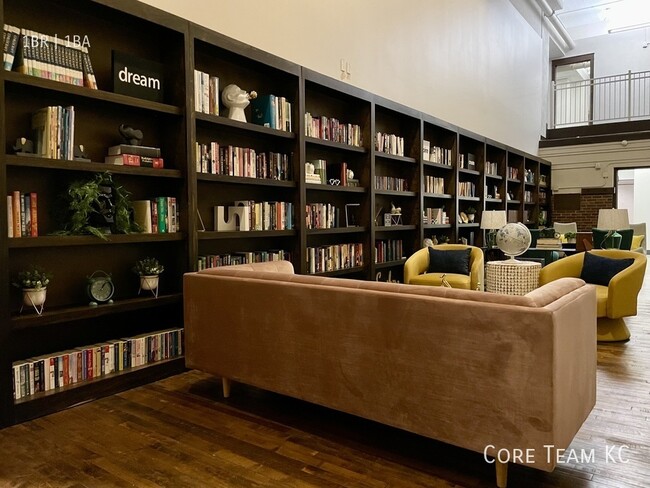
(615, 301)
(416, 266)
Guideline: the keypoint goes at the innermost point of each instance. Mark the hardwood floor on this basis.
(180, 432)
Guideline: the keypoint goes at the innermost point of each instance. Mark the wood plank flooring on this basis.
(180, 432)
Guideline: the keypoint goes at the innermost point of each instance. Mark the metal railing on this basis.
(614, 98)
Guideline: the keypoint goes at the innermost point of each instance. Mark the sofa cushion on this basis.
(449, 261)
(599, 270)
(637, 241)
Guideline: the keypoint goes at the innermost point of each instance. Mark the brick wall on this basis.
(583, 209)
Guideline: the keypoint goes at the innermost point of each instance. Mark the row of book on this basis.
(51, 371)
(331, 129)
(271, 111)
(53, 132)
(322, 216)
(467, 161)
(206, 93)
(22, 214)
(389, 144)
(241, 161)
(66, 59)
(491, 169)
(436, 154)
(389, 250)
(159, 215)
(391, 183)
(513, 173)
(466, 189)
(513, 216)
(435, 216)
(256, 216)
(335, 257)
(528, 196)
(434, 184)
(331, 174)
(245, 257)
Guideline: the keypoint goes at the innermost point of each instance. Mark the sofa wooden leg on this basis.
(225, 383)
(502, 473)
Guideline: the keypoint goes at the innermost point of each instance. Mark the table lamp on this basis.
(492, 220)
(612, 219)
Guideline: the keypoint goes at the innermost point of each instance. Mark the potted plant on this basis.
(149, 270)
(570, 237)
(33, 282)
(471, 212)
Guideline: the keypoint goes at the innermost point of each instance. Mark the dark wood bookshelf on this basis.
(173, 125)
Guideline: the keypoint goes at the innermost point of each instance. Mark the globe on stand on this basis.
(513, 239)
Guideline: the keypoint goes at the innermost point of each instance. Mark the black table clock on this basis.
(100, 288)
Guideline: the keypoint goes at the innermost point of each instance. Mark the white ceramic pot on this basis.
(470, 217)
(149, 282)
(34, 297)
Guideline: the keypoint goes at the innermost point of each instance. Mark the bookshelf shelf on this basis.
(394, 228)
(238, 180)
(252, 234)
(512, 180)
(394, 157)
(396, 193)
(335, 145)
(430, 164)
(34, 82)
(336, 188)
(469, 171)
(258, 129)
(436, 226)
(470, 199)
(493, 200)
(513, 202)
(64, 164)
(81, 312)
(494, 177)
(337, 230)
(475, 225)
(390, 264)
(66, 241)
(442, 196)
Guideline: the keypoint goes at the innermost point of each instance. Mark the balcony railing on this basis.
(614, 98)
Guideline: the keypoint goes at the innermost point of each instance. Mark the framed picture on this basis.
(352, 214)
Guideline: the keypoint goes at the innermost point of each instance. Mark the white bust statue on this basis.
(236, 100)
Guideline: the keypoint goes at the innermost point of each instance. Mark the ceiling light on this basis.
(628, 27)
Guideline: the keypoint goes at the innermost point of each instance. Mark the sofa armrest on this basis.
(568, 267)
(624, 288)
(416, 264)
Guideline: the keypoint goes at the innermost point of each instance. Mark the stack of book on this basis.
(331, 129)
(53, 132)
(22, 214)
(206, 93)
(60, 59)
(216, 159)
(128, 155)
(271, 111)
(389, 144)
(218, 260)
(549, 243)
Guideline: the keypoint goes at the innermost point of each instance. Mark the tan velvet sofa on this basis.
(492, 373)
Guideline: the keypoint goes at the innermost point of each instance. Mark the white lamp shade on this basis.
(613, 219)
(493, 219)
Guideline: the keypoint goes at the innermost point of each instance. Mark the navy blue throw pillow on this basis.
(599, 270)
(453, 261)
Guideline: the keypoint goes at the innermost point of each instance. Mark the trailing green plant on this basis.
(470, 210)
(84, 204)
(33, 277)
(570, 235)
(148, 267)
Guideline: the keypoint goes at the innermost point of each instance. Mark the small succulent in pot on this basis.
(148, 267)
(33, 277)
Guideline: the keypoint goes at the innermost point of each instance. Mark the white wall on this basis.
(641, 198)
(476, 63)
(616, 53)
(592, 165)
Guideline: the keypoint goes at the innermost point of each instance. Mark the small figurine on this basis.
(236, 100)
(80, 153)
(131, 136)
(395, 210)
(24, 146)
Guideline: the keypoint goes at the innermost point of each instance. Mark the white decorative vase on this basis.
(34, 297)
(149, 282)
(470, 217)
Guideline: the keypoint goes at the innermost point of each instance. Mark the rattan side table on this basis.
(512, 277)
